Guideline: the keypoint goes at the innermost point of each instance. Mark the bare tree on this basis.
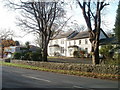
(5, 34)
(95, 16)
(39, 18)
(77, 27)
(38, 40)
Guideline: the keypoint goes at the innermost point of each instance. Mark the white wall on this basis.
(68, 43)
(83, 45)
(61, 42)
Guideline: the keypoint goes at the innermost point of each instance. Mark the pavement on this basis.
(19, 78)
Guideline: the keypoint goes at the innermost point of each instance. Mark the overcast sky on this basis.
(8, 19)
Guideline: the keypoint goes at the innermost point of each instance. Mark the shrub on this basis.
(56, 54)
(105, 50)
(82, 53)
(17, 55)
(26, 55)
(35, 56)
(76, 54)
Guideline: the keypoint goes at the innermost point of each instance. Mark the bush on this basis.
(57, 54)
(35, 56)
(80, 53)
(76, 54)
(105, 50)
(17, 55)
(26, 55)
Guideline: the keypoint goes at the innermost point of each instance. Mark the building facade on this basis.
(66, 43)
(0, 48)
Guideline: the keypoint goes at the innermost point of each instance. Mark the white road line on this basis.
(17, 71)
(37, 78)
(90, 89)
(82, 87)
(78, 87)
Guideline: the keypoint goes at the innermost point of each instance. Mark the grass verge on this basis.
(69, 72)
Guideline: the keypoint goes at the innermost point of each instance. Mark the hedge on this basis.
(105, 69)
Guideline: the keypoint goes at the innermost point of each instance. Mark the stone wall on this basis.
(106, 69)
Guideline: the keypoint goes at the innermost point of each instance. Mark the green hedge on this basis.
(105, 69)
(17, 55)
(32, 56)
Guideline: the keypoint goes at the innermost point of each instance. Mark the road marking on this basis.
(90, 89)
(37, 78)
(78, 87)
(82, 87)
(17, 71)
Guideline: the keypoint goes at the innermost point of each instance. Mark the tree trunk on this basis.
(45, 49)
(45, 55)
(2, 52)
(95, 55)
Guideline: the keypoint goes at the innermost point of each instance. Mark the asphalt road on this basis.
(25, 78)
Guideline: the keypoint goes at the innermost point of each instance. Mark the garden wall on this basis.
(106, 69)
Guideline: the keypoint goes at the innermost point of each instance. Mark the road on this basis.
(25, 78)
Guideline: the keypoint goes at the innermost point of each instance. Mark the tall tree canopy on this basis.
(92, 13)
(117, 23)
(39, 18)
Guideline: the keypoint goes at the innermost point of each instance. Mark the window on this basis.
(56, 41)
(86, 50)
(79, 42)
(50, 42)
(50, 49)
(74, 42)
(69, 43)
(86, 42)
(62, 49)
(70, 51)
(62, 41)
(80, 49)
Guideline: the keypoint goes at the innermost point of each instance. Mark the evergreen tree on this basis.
(117, 23)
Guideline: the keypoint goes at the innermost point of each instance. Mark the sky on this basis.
(8, 20)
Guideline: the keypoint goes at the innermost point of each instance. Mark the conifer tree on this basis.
(117, 23)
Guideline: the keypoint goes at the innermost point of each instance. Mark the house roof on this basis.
(111, 40)
(80, 35)
(85, 34)
(64, 34)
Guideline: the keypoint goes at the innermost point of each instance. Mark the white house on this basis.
(0, 48)
(66, 43)
(20, 49)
